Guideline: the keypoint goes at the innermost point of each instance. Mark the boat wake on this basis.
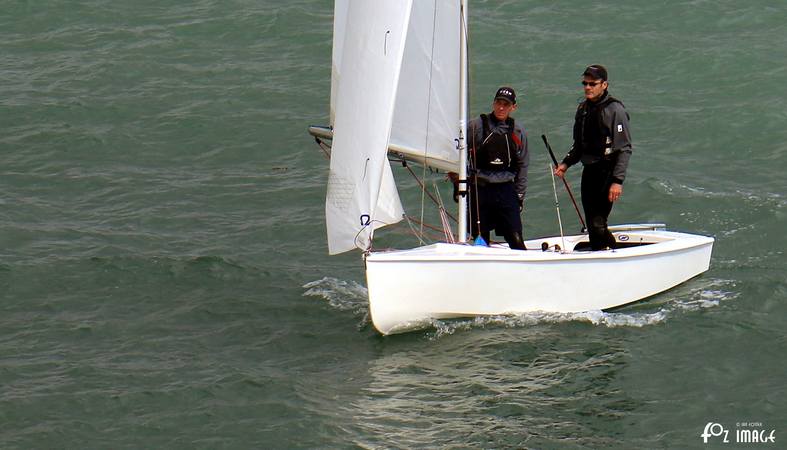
(352, 296)
(601, 318)
(703, 294)
(341, 295)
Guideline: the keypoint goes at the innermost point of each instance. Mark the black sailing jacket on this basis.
(601, 132)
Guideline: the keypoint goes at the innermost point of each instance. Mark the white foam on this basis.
(342, 295)
(710, 294)
(600, 318)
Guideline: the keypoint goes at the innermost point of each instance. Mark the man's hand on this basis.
(454, 178)
(615, 191)
(521, 198)
(560, 170)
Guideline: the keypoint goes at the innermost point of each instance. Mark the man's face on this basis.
(503, 108)
(594, 89)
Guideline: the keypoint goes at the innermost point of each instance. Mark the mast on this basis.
(461, 229)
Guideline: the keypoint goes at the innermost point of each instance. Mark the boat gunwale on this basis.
(502, 254)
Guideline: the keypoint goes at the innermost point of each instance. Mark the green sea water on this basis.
(164, 277)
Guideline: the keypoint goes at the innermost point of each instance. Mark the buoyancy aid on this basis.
(497, 151)
(590, 131)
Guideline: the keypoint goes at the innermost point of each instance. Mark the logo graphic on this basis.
(713, 429)
(745, 433)
(620, 128)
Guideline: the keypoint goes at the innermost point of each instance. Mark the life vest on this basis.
(497, 151)
(589, 128)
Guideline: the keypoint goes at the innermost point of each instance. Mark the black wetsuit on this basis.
(603, 143)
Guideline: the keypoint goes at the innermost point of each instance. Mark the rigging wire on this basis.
(369, 225)
(428, 109)
(449, 236)
(423, 188)
(417, 233)
(436, 231)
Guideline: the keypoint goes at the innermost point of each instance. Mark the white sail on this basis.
(427, 114)
(428, 101)
(340, 8)
(361, 194)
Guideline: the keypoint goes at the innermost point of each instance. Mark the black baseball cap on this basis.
(596, 71)
(506, 93)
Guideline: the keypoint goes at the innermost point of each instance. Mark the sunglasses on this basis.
(591, 83)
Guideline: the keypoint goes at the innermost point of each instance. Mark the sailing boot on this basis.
(515, 241)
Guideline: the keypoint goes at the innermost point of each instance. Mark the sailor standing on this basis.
(498, 161)
(603, 143)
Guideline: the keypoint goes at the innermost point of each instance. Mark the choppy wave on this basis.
(755, 198)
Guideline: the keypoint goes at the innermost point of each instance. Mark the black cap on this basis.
(596, 71)
(506, 93)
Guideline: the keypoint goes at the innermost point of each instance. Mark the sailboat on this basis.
(399, 89)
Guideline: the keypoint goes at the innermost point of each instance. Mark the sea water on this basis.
(164, 277)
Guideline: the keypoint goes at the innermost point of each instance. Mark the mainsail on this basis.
(427, 114)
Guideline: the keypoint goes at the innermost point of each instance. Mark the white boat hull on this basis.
(410, 288)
